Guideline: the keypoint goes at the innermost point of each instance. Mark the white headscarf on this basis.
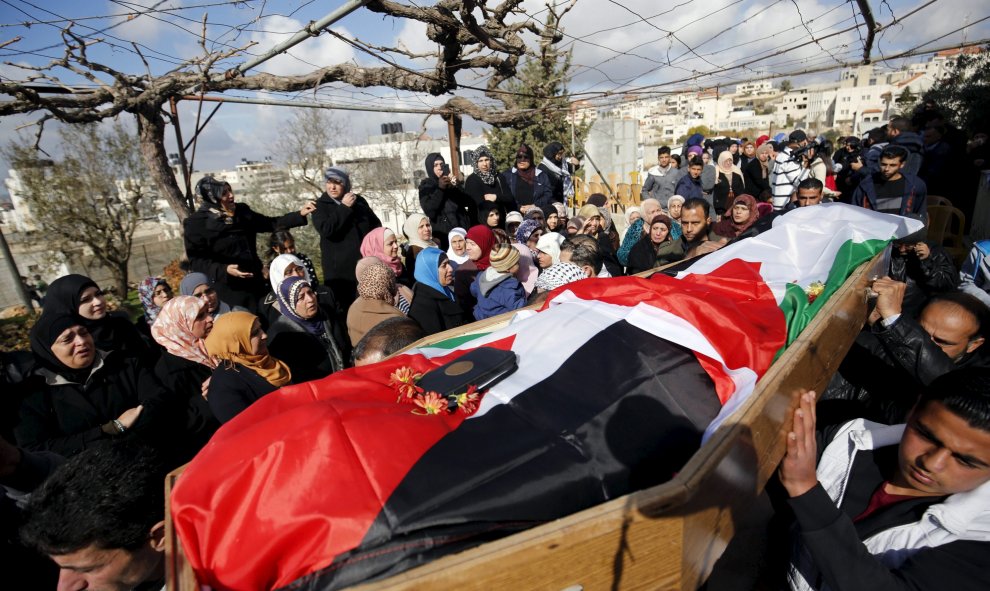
(411, 229)
(549, 243)
(276, 271)
(453, 256)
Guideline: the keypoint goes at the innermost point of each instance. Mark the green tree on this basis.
(786, 86)
(540, 81)
(906, 99)
(963, 94)
(93, 197)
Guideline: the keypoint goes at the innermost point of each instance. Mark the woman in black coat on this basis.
(80, 296)
(89, 395)
(185, 367)
(245, 371)
(442, 201)
(655, 249)
(221, 241)
(486, 186)
(433, 305)
(308, 339)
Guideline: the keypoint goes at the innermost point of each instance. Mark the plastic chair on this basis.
(637, 191)
(613, 180)
(634, 177)
(623, 196)
(938, 200)
(945, 227)
(596, 187)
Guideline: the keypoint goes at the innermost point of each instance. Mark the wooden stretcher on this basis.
(665, 537)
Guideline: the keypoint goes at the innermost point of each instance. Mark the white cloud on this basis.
(316, 52)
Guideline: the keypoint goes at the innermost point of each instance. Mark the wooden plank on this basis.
(666, 537)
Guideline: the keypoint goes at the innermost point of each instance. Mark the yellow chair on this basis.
(938, 200)
(623, 196)
(596, 187)
(634, 177)
(595, 178)
(945, 227)
(613, 180)
(637, 191)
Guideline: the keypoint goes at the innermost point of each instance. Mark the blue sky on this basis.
(617, 46)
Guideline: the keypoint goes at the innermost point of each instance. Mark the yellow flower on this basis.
(814, 290)
(431, 403)
(404, 381)
(468, 401)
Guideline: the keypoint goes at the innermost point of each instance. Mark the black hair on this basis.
(877, 134)
(970, 304)
(584, 251)
(895, 152)
(388, 336)
(696, 161)
(663, 150)
(278, 238)
(695, 203)
(676, 158)
(810, 183)
(965, 393)
(901, 124)
(108, 496)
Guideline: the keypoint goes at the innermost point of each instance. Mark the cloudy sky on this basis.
(618, 47)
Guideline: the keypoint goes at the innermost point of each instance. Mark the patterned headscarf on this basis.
(373, 245)
(230, 341)
(146, 291)
(173, 330)
(377, 282)
(486, 177)
(289, 292)
(526, 229)
(559, 274)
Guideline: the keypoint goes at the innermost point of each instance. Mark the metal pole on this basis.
(15, 274)
(182, 153)
(313, 29)
(310, 105)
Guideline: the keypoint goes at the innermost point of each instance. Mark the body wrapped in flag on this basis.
(331, 483)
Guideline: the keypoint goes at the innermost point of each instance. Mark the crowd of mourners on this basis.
(101, 407)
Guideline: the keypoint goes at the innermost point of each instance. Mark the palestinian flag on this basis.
(333, 482)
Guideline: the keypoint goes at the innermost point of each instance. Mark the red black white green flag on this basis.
(333, 482)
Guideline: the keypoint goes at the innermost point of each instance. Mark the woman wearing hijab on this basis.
(480, 241)
(185, 367)
(153, 293)
(529, 186)
(574, 225)
(524, 241)
(728, 183)
(383, 244)
(489, 214)
(595, 226)
(558, 172)
(743, 215)
(89, 395)
(757, 173)
(548, 251)
(485, 186)
(419, 236)
(307, 336)
(446, 205)
(656, 249)
(199, 285)
(457, 253)
(674, 205)
(377, 291)
(111, 331)
(282, 266)
(221, 241)
(434, 306)
(245, 371)
(403, 295)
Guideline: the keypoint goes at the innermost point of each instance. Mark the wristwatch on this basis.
(120, 426)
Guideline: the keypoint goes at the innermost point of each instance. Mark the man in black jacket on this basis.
(342, 219)
(902, 507)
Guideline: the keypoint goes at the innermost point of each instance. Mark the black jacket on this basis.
(924, 278)
(643, 257)
(756, 185)
(434, 311)
(447, 208)
(214, 241)
(233, 388)
(835, 541)
(477, 189)
(185, 378)
(309, 357)
(720, 194)
(65, 417)
(341, 230)
(556, 181)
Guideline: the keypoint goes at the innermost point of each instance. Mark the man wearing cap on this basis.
(787, 170)
(342, 219)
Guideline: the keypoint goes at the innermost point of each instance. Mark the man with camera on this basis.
(788, 170)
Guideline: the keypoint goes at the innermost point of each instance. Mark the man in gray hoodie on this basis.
(662, 178)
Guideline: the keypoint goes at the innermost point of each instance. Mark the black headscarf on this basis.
(44, 333)
(551, 150)
(431, 159)
(211, 190)
(484, 208)
(110, 333)
(63, 293)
